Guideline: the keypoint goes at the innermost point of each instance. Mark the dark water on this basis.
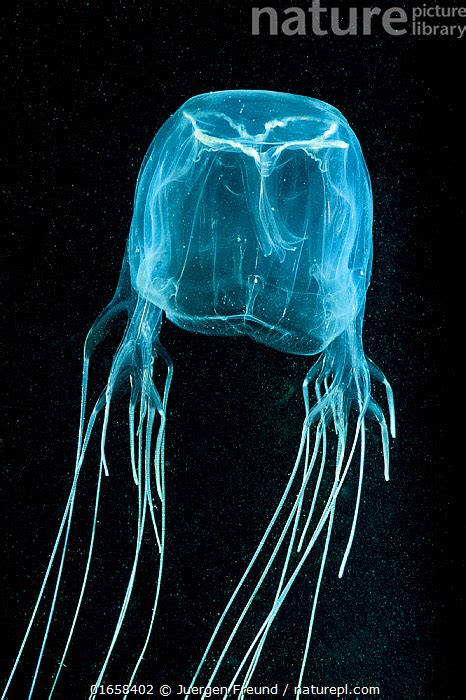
(89, 91)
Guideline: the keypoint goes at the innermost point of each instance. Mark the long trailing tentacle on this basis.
(330, 505)
(309, 420)
(159, 467)
(307, 472)
(313, 415)
(84, 582)
(116, 307)
(63, 528)
(146, 345)
(321, 437)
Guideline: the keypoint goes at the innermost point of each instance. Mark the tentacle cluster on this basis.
(132, 368)
(342, 382)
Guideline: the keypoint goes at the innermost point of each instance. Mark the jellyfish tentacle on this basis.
(129, 588)
(315, 601)
(375, 410)
(308, 467)
(316, 412)
(160, 451)
(358, 501)
(264, 573)
(322, 461)
(364, 404)
(377, 373)
(329, 529)
(317, 373)
(313, 609)
(315, 492)
(330, 505)
(83, 441)
(141, 519)
(311, 417)
(306, 473)
(84, 582)
(159, 468)
(279, 600)
(135, 394)
(104, 402)
(344, 385)
(55, 595)
(146, 322)
(312, 375)
(123, 359)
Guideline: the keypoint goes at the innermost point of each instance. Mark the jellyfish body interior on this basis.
(252, 216)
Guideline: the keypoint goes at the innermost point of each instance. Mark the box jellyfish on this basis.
(252, 217)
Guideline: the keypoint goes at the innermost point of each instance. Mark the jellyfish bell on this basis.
(252, 216)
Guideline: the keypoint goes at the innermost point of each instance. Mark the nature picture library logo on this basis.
(420, 20)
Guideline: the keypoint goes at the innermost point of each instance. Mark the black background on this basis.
(88, 88)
